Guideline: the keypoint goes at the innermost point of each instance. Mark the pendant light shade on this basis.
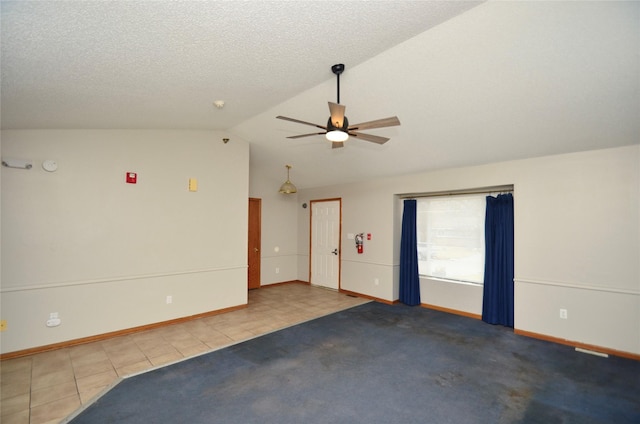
(287, 187)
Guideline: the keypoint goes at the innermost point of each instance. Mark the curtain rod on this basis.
(479, 190)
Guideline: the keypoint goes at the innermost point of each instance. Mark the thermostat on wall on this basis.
(49, 165)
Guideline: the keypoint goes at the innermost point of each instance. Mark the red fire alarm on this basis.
(132, 177)
(368, 236)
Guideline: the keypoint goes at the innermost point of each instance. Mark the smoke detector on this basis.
(219, 104)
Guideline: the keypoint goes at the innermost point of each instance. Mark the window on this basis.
(450, 233)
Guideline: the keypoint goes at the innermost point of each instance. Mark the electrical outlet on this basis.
(169, 300)
(563, 314)
(3, 325)
(376, 281)
(277, 270)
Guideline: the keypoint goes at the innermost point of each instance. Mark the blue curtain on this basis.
(497, 301)
(409, 277)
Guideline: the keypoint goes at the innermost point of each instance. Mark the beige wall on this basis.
(577, 236)
(104, 254)
(279, 257)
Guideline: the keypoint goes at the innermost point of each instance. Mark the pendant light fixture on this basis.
(287, 187)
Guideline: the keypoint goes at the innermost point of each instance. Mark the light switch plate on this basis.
(193, 184)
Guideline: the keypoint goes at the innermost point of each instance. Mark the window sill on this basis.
(446, 280)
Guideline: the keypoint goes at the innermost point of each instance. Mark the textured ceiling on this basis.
(471, 82)
(150, 64)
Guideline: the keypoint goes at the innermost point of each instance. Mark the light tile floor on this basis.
(48, 387)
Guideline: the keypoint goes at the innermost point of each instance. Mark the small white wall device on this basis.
(49, 165)
(17, 163)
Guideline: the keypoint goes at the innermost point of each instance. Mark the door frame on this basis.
(311, 203)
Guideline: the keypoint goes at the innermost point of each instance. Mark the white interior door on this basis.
(325, 243)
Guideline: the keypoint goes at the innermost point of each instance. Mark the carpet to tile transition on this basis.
(377, 363)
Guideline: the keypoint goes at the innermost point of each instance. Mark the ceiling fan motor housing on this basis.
(333, 127)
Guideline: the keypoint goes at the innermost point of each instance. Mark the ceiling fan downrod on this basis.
(338, 69)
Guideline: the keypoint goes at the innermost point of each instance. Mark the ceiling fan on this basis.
(338, 129)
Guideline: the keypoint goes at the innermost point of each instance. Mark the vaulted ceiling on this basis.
(471, 82)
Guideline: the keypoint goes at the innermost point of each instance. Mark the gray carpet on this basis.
(378, 363)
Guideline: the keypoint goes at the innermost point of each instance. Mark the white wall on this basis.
(577, 242)
(279, 250)
(364, 208)
(104, 254)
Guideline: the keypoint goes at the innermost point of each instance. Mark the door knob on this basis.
(335, 251)
(255, 249)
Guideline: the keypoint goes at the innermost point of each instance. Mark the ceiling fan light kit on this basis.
(337, 136)
(337, 132)
(338, 129)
